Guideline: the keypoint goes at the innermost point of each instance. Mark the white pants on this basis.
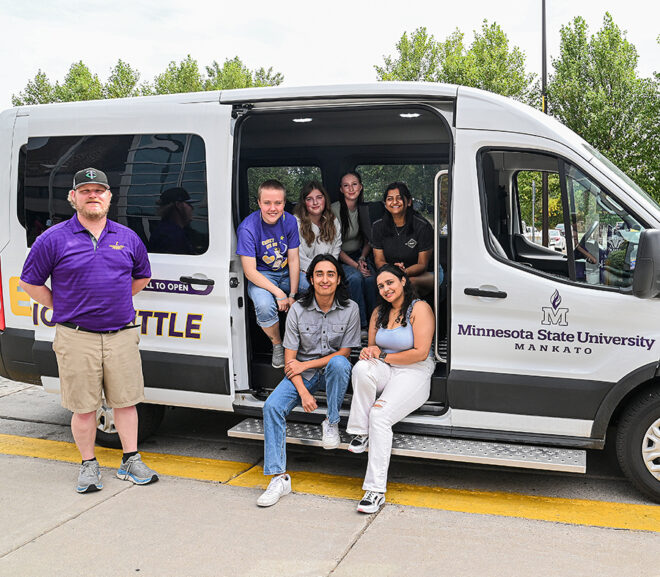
(402, 389)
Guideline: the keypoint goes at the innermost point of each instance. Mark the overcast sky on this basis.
(338, 41)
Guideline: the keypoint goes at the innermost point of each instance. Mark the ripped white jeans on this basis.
(400, 389)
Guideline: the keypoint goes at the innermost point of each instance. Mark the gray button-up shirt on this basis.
(315, 334)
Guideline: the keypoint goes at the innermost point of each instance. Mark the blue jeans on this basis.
(303, 285)
(285, 397)
(362, 290)
(264, 301)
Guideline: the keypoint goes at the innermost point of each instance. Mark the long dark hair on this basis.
(327, 232)
(388, 221)
(341, 296)
(384, 307)
(343, 209)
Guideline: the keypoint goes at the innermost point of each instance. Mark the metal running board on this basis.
(441, 448)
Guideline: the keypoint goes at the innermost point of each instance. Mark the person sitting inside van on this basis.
(171, 234)
(321, 329)
(404, 238)
(355, 246)
(318, 227)
(268, 246)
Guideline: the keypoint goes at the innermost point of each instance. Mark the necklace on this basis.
(398, 229)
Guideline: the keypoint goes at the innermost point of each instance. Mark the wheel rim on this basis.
(651, 449)
(105, 420)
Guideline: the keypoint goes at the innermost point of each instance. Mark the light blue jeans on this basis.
(285, 398)
(265, 304)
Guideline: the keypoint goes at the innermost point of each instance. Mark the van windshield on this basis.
(622, 175)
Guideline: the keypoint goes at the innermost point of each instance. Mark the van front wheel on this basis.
(638, 443)
(149, 419)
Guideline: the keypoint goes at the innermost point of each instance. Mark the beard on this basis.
(97, 213)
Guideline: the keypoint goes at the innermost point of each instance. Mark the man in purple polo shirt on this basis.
(95, 266)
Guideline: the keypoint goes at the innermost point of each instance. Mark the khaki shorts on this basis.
(93, 364)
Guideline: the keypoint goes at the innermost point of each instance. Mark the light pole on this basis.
(544, 103)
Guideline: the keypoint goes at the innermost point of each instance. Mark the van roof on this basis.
(476, 109)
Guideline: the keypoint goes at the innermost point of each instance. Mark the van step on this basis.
(441, 448)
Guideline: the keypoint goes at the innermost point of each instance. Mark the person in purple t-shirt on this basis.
(268, 246)
(95, 267)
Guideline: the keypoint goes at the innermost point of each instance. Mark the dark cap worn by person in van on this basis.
(176, 194)
(90, 176)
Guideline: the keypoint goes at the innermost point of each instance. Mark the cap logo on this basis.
(90, 174)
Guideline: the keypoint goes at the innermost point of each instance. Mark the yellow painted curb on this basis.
(554, 509)
(174, 465)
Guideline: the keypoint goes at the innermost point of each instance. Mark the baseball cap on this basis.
(176, 194)
(90, 176)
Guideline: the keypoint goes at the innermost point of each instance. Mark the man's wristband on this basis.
(283, 299)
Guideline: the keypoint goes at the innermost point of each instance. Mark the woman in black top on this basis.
(404, 238)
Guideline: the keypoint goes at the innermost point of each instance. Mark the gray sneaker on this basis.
(278, 356)
(89, 477)
(135, 471)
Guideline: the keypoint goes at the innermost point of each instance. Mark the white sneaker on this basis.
(331, 438)
(279, 486)
(371, 502)
(359, 444)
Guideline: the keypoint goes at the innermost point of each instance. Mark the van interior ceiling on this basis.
(403, 142)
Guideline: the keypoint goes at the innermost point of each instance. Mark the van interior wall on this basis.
(335, 141)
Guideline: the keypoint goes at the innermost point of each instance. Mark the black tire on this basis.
(149, 419)
(639, 429)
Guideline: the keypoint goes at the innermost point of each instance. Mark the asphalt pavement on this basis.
(191, 527)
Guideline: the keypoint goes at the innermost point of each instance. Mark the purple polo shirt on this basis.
(91, 286)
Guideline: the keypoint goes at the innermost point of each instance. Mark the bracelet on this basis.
(283, 299)
(361, 259)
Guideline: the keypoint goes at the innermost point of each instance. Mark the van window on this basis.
(140, 168)
(418, 177)
(292, 177)
(605, 235)
(592, 238)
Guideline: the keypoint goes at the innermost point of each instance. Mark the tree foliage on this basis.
(489, 63)
(185, 76)
(595, 90)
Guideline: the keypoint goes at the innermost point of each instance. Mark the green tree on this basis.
(489, 63)
(79, 84)
(234, 74)
(123, 82)
(595, 90)
(38, 91)
(418, 59)
(182, 77)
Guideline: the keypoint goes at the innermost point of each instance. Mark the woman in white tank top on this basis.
(392, 377)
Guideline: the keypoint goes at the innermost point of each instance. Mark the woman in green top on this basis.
(355, 246)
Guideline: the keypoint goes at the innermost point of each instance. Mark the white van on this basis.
(539, 353)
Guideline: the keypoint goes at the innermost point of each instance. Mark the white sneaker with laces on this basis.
(279, 486)
(359, 444)
(331, 438)
(371, 502)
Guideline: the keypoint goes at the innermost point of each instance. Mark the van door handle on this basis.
(476, 292)
(194, 280)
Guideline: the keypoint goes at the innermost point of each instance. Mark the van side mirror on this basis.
(646, 278)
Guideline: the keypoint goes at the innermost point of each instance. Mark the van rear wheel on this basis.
(149, 419)
(638, 443)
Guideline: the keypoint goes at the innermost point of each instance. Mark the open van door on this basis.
(146, 149)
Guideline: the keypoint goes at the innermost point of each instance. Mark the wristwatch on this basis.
(382, 356)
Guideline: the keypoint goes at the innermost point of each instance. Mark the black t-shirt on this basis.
(405, 245)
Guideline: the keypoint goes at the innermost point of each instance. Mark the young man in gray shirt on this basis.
(321, 329)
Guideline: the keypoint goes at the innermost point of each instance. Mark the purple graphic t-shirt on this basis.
(268, 243)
